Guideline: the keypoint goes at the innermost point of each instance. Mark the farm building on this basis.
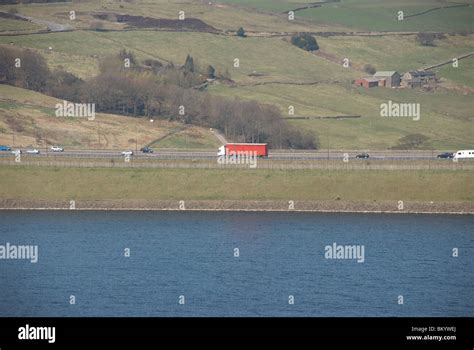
(367, 82)
(411, 83)
(418, 78)
(388, 78)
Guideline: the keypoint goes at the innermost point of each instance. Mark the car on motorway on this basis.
(17, 151)
(127, 153)
(445, 155)
(32, 151)
(57, 149)
(146, 150)
(362, 156)
(5, 148)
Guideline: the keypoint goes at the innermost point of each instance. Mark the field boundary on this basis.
(312, 5)
(120, 163)
(459, 58)
(435, 9)
(302, 83)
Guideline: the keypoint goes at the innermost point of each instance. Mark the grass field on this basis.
(189, 138)
(400, 53)
(464, 74)
(377, 15)
(219, 15)
(271, 6)
(188, 184)
(274, 57)
(28, 118)
(380, 15)
(446, 116)
(11, 25)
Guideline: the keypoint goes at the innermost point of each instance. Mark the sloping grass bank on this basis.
(214, 184)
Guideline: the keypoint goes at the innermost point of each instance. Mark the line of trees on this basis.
(124, 86)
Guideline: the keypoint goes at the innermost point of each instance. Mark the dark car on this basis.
(146, 150)
(362, 156)
(445, 155)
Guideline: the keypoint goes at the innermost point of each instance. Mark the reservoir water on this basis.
(138, 263)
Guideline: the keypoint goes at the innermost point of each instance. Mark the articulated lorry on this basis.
(258, 149)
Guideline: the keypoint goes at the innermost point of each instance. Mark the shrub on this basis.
(241, 32)
(370, 69)
(426, 39)
(211, 72)
(305, 41)
(413, 141)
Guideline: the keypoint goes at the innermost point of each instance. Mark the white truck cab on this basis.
(221, 151)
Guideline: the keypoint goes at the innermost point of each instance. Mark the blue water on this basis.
(192, 254)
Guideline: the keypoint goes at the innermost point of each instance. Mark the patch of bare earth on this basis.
(187, 24)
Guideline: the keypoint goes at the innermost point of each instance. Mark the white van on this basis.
(464, 154)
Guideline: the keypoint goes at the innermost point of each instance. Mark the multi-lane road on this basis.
(208, 155)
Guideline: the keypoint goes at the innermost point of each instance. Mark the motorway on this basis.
(210, 155)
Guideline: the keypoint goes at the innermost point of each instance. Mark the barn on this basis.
(367, 82)
(392, 78)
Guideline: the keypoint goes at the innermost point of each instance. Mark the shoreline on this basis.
(385, 207)
(243, 211)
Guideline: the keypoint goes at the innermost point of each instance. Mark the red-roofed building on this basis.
(367, 82)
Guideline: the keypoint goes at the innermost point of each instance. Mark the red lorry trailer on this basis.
(260, 149)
